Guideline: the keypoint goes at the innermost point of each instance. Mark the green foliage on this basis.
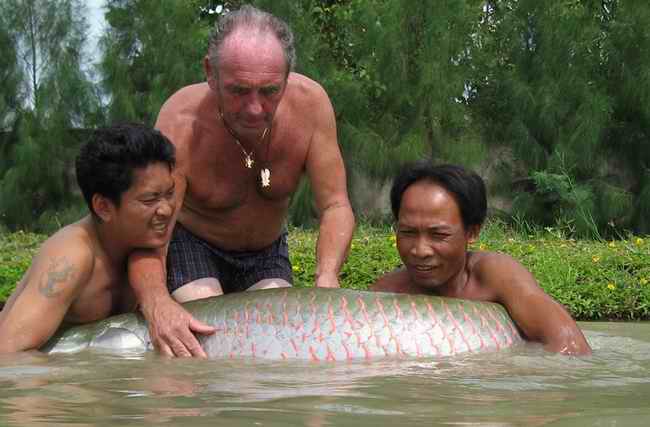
(16, 252)
(150, 50)
(594, 280)
(564, 87)
(10, 97)
(549, 102)
(372, 253)
(48, 39)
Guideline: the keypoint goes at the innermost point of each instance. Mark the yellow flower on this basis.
(595, 258)
(296, 268)
(643, 281)
(638, 241)
(482, 246)
(611, 244)
(392, 238)
(611, 286)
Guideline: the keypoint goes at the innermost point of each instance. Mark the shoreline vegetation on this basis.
(594, 279)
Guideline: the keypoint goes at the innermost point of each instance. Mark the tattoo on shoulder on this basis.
(52, 280)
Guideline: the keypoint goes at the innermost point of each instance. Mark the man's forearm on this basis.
(147, 278)
(335, 234)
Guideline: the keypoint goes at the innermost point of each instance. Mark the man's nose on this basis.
(421, 247)
(165, 208)
(254, 106)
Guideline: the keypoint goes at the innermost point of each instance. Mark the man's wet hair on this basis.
(467, 188)
(250, 17)
(106, 162)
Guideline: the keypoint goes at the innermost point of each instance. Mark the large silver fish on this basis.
(317, 324)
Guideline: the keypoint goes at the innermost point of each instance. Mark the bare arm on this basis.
(44, 295)
(539, 316)
(171, 327)
(327, 175)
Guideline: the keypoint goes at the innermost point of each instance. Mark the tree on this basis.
(150, 50)
(562, 87)
(10, 77)
(48, 39)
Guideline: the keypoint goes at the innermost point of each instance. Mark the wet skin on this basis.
(432, 242)
(80, 273)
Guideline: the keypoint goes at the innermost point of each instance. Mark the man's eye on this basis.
(438, 236)
(272, 90)
(406, 232)
(239, 90)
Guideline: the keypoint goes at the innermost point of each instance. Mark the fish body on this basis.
(319, 325)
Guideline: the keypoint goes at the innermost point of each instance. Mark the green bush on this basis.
(595, 280)
(16, 251)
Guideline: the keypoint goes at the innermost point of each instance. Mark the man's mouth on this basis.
(160, 227)
(422, 268)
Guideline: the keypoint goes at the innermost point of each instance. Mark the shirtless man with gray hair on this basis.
(244, 138)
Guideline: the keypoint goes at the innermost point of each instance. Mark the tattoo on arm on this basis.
(59, 271)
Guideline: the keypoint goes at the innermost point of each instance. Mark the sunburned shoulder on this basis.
(184, 103)
(303, 90)
(186, 96)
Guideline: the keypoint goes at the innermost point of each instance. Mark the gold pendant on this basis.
(265, 174)
(248, 161)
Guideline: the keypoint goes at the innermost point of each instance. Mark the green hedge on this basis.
(595, 280)
(16, 251)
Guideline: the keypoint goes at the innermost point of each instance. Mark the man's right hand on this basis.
(172, 329)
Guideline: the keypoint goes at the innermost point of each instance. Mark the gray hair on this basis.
(250, 17)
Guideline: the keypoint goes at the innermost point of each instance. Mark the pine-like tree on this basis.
(561, 86)
(10, 99)
(49, 37)
(150, 50)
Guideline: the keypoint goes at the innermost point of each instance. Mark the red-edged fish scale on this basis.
(339, 324)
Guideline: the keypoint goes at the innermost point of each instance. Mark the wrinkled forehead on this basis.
(252, 46)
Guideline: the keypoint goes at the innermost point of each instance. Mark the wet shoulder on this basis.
(495, 269)
(74, 245)
(482, 260)
(394, 281)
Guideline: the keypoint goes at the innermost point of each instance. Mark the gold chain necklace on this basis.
(265, 173)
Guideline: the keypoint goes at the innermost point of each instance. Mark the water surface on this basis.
(520, 387)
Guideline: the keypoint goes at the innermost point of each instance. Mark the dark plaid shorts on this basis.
(190, 258)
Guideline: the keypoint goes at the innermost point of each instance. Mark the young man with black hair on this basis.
(80, 273)
(438, 211)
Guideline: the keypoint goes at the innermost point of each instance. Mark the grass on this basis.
(595, 280)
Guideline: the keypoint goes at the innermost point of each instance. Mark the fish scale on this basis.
(319, 325)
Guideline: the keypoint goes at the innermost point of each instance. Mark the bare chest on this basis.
(220, 176)
(106, 294)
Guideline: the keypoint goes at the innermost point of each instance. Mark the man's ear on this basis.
(210, 75)
(472, 233)
(103, 207)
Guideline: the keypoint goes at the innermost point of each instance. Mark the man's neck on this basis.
(108, 240)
